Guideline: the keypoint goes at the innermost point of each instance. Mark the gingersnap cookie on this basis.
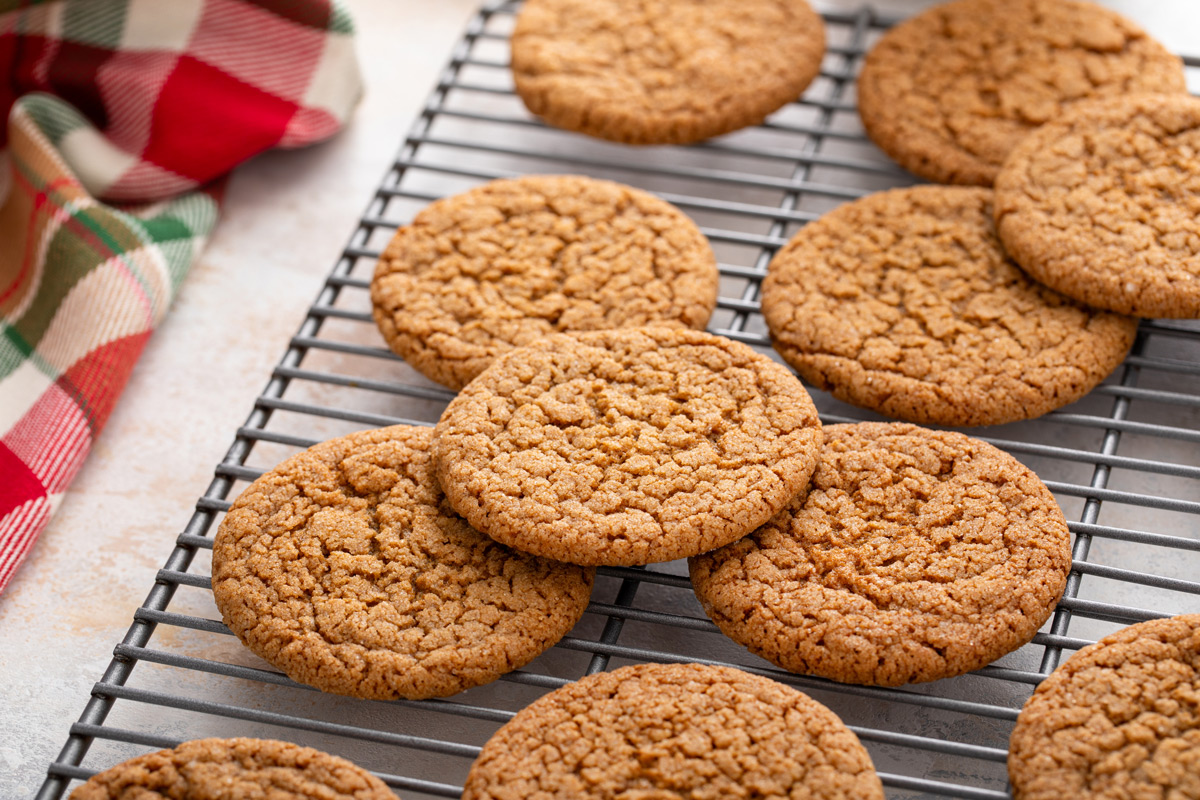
(949, 92)
(914, 555)
(674, 731)
(663, 72)
(506, 263)
(626, 446)
(205, 769)
(905, 302)
(1119, 719)
(346, 568)
(1104, 205)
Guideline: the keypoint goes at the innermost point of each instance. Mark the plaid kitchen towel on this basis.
(121, 114)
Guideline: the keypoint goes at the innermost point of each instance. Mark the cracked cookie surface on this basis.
(346, 568)
(206, 769)
(626, 446)
(1119, 719)
(508, 262)
(656, 72)
(1104, 205)
(914, 555)
(949, 92)
(904, 302)
(674, 731)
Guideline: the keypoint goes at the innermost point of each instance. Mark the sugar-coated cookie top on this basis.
(663, 71)
(235, 768)
(674, 731)
(914, 555)
(904, 302)
(949, 92)
(1120, 718)
(346, 568)
(508, 262)
(1103, 204)
(626, 446)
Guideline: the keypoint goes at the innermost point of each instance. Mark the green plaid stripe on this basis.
(89, 238)
(83, 235)
(14, 350)
(98, 22)
(54, 118)
(341, 21)
(179, 232)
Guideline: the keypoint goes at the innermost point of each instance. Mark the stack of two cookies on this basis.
(595, 424)
(960, 305)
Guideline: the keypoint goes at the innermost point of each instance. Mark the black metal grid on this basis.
(1124, 462)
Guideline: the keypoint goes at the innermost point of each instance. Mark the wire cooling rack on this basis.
(1124, 463)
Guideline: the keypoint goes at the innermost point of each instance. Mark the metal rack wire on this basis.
(1124, 462)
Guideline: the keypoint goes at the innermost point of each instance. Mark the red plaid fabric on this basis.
(184, 90)
(121, 114)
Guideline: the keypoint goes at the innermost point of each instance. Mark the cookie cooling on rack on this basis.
(477, 274)
(345, 568)
(627, 446)
(914, 555)
(663, 71)
(1103, 204)
(673, 731)
(949, 92)
(235, 768)
(1120, 718)
(905, 302)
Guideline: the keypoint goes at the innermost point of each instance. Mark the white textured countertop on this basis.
(286, 217)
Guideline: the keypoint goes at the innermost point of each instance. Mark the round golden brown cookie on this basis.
(914, 555)
(345, 568)
(508, 262)
(1103, 205)
(664, 731)
(1119, 719)
(663, 71)
(949, 92)
(905, 303)
(205, 769)
(626, 446)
